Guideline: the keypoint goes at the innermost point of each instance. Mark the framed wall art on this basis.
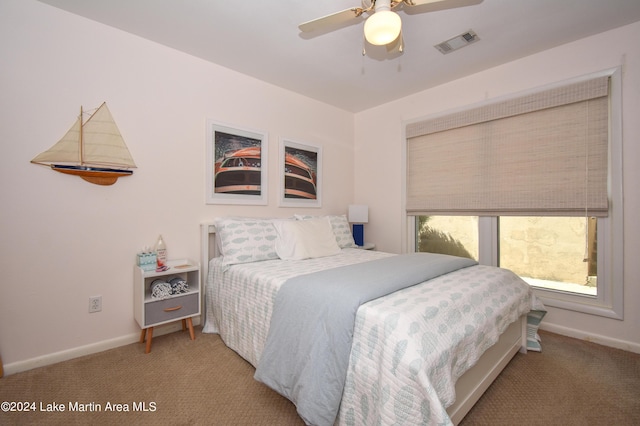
(300, 174)
(236, 165)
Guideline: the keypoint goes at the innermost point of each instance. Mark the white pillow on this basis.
(305, 239)
(341, 228)
(244, 240)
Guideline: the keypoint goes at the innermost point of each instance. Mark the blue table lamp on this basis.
(358, 215)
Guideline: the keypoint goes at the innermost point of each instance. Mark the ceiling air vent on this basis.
(457, 42)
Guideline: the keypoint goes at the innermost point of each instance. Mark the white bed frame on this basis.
(470, 386)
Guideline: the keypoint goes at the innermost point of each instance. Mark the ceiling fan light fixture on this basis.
(382, 27)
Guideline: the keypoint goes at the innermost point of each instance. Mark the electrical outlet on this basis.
(95, 304)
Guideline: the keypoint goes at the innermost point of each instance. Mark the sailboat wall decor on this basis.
(93, 150)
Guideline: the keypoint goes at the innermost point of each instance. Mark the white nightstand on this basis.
(150, 311)
(367, 246)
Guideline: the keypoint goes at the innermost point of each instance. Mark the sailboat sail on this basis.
(90, 150)
(103, 143)
(65, 151)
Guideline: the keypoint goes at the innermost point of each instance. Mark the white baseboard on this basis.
(41, 361)
(590, 337)
(49, 359)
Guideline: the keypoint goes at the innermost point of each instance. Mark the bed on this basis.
(423, 354)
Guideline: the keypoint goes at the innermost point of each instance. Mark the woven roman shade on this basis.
(537, 155)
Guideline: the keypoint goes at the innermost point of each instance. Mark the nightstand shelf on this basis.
(367, 246)
(152, 311)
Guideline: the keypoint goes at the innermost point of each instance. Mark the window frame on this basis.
(609, 301)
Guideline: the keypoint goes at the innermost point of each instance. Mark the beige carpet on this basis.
(572, 382)
(202, 382)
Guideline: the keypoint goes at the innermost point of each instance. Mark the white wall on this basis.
(63, 239)
(378, 146)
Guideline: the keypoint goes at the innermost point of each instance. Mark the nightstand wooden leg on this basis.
(190, 324)
(143, 334)
(149, 337)
(184, 324)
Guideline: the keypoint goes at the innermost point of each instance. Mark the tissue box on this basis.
(147, 261)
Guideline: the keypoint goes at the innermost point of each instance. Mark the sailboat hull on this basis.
(96, 175)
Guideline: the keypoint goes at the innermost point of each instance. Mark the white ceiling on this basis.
(260, 38)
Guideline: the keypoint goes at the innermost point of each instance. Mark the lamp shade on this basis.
(382, 27)
(358, 213)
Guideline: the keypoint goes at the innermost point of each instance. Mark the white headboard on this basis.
(208, 248)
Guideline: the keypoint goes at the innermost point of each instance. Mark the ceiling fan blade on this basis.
(421, 2)
(446, 3)
(330, 20)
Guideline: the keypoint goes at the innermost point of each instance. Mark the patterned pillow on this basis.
(340, 226)
(244, 240)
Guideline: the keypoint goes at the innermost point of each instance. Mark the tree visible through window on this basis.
(454, 235)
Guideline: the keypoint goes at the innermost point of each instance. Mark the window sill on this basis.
(586, 304)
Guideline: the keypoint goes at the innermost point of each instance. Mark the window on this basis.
(454, 235)
(535, 182)
(554, 253)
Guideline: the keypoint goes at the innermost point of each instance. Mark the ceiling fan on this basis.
(384, 26)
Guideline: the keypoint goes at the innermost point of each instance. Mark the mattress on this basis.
(239, 299)
(408, 348)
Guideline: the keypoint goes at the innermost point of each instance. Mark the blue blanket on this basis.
(307, 351)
